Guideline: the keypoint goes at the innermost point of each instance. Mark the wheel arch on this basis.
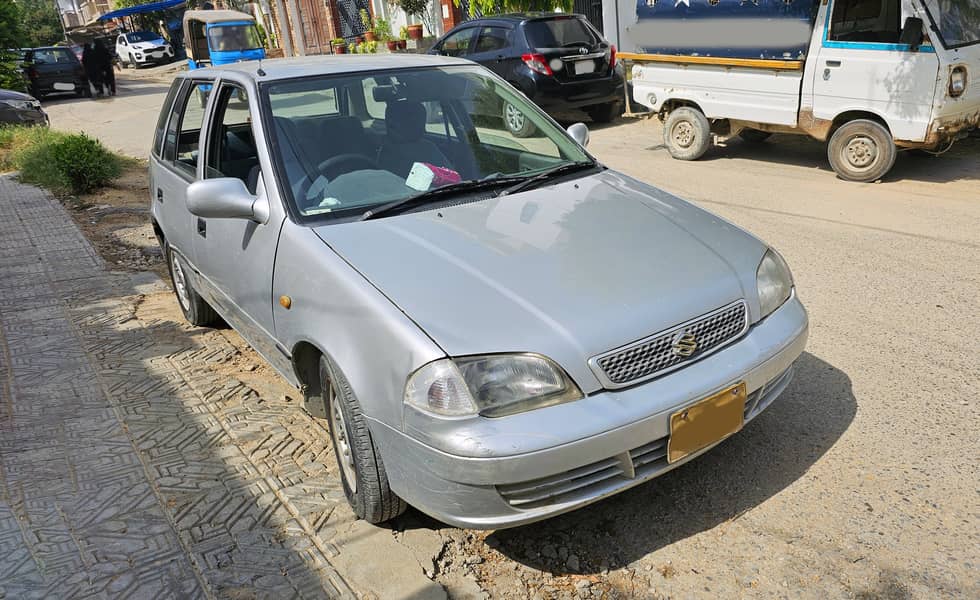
(854, 115)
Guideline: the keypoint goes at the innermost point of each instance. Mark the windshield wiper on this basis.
(533, 180)
(435, 194)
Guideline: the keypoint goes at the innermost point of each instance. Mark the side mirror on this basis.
(225, 198)
(912, 33)
(579, 133)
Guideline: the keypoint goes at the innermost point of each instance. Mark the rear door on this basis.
(861, 66)
(571, 47)
(493, 48)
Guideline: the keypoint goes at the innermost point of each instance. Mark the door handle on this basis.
(833, 63)
(159, 195)
(202, 228)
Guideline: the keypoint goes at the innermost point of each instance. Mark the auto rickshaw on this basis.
(220, 37)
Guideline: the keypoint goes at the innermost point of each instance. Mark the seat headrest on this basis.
(405, 120)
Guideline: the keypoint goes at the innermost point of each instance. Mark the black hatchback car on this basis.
(54, 69)
(560, 61)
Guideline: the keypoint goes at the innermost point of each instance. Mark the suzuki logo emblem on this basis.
(684, 344)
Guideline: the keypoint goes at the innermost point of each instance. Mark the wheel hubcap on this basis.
(515, 118)
(683, 134)
(180, 283)
(339, 433)
(861, 152)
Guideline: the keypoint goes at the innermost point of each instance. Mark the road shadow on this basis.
(772, 452)
(124, 90)
(959, 163)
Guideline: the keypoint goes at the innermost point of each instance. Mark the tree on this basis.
(11, 36)
(40, 22)
(491, 7)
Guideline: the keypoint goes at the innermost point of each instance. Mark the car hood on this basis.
(148, 45)
(12, 95)
(569, 271)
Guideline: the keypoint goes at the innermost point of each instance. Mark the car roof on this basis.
(521, 17)
(216, 16)
(311, 66)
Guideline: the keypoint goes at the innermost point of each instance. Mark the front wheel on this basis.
(862, 151)
(361, 470)
(517, 122)
(197, 312)
(687, 133)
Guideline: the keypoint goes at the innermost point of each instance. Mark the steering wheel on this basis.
(334, 167)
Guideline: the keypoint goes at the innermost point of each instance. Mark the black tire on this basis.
(754, 136)
(517, 122)
(604, 113)
(862, 151)
(197, 312)
(687, 133)
(361, 470)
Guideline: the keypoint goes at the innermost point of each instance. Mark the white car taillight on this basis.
(957, 81)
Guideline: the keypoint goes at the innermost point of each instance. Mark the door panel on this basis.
(235, 257)
(856, 70)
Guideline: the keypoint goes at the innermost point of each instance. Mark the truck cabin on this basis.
(220, 37)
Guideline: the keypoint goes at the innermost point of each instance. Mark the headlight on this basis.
(957, 81)
(21, 104)
(774, 281)
(492, 386)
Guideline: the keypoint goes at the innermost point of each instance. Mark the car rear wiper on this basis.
(436, 194)
(533, 180)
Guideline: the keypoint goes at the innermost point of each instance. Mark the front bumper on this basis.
(155, 57)
(510, 490)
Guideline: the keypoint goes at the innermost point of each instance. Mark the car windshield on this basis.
(349, 143)
(141, 36)
(563, 32)
(958, 21)
(225, 38)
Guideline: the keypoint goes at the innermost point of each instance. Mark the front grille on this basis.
(655, 355)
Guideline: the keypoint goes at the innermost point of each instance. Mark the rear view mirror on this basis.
(225, 198)
(912, 33)
(579, 133)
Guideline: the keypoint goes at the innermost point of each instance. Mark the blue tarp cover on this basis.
(142, 8)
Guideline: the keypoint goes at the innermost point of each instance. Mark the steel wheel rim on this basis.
(180, 283)
(860, 153)
(683, 134)
(515, 118)
(339, 435)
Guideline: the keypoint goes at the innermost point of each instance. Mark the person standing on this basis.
(108, 76)
(90, 62)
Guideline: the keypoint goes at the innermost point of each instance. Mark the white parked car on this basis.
(143, 47)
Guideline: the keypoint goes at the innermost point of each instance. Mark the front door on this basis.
(235, 257)
(862, 67)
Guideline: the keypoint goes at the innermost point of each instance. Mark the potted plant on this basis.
(414, 8)
(371, 47)
(339, 45)
(403, 38)
(368, 22)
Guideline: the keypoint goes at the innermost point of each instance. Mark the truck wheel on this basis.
(517, 122)
(754, 136)
(197, 312)
(687, 133)
(361, 470)
(861, 150)
(604, 113)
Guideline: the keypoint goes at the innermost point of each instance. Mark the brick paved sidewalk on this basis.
(129, 468)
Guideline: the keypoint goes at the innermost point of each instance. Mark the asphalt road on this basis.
(862, 478)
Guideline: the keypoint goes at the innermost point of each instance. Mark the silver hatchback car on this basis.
(496, 329)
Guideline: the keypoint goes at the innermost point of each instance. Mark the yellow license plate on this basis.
(706, 422)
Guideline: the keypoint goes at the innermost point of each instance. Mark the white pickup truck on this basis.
(877, 76)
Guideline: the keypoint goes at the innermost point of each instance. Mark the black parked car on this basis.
(54, 69)
(560, 61)
(20, 109)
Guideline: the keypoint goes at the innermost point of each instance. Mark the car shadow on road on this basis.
(123, 91)
(773, 451)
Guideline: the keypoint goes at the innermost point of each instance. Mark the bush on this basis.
(63, 163)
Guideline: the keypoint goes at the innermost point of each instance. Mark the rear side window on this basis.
(565, 32)
(165, 110)
(491, 38)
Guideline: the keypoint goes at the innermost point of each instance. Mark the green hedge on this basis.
(65, 163)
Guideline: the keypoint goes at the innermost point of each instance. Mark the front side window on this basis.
(232, 151)
(406, 132)
(958, 22)
(229, 38)
(876, 21)
(458, 44)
